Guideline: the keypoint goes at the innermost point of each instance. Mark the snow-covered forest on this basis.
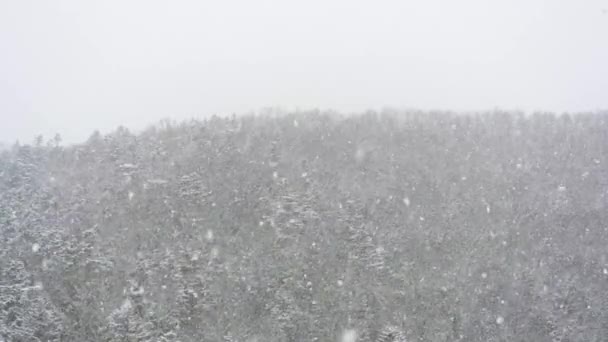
(311, 227)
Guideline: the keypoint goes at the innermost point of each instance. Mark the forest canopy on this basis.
(311, 226)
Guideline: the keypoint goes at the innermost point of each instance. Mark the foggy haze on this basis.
(435, 171)
(75, 66)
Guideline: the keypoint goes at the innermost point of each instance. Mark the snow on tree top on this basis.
(158, 181)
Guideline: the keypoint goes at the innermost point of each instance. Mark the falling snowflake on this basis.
(295, 123)
(349, 335)
(340, 283)
(128, 166)
(35, 247)
(209, 235)
(131, 194)
(215, 252)
(360, 155)
(500, 320)
(406, 201)
(195, 256)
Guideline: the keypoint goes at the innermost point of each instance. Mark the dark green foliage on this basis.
(435, 226)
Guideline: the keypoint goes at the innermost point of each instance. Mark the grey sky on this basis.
(72, 66)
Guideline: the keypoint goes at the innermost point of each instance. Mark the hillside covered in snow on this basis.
(311, 227)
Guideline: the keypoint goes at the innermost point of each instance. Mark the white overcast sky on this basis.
(73, 66)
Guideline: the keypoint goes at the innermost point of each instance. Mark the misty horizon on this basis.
(276, 112)
(73, 67)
